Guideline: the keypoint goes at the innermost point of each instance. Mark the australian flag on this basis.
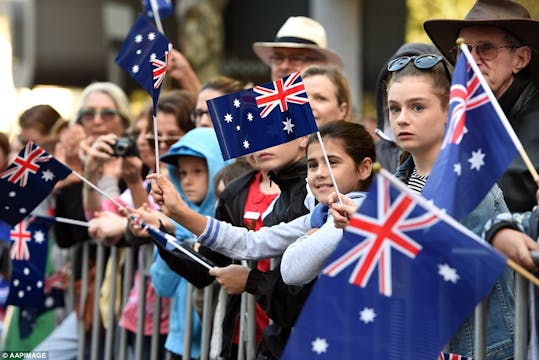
(400, 283)
(476, 150)
(144, 56)
(164, 8)
(28, 258)
(261, 117)
(27, 181)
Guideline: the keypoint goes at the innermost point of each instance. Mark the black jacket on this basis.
(520, 103)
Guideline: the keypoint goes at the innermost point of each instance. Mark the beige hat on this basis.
(299, 32)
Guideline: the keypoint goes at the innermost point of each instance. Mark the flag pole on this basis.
(329, 166)
(156, 143)
(71, 221)
(104, 194)
(155, 10)
(497, 108)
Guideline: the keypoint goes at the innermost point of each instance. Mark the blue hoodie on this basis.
(200, 142)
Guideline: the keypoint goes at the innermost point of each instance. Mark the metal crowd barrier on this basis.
(102, 346)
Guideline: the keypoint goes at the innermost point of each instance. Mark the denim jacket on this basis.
(501, 300)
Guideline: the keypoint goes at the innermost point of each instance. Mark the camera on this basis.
(124, 146)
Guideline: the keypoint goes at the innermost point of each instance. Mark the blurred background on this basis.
(50, 49)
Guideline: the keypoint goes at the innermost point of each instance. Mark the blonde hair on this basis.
(116, 94)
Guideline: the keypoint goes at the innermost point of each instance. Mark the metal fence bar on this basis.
(207, 316)
(156, 329)
(127, 283)
(241, 342)
(96, 318)
(521, 318)
(480, 330)
(188, 334)
(139, 338)
(111, 320)
(82, 300)
(251, 328)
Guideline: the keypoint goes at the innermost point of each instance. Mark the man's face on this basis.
(288, 60)
(503, 62)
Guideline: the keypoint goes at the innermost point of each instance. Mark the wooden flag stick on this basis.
(523, 272)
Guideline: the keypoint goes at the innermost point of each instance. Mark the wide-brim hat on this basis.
(505, 14)
(299, 32)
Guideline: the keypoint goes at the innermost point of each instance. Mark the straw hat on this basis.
(505, 14)
(299, 32)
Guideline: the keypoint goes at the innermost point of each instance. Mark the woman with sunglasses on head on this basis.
(418, 98)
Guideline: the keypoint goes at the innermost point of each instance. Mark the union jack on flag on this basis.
(245, 121)
(280, 94)
(159, 69)
(437, 260)
(28, 180)
(450, 356)
(20, 237)
(29, 257)
(477, 148)
(25, 163)
(384, 232)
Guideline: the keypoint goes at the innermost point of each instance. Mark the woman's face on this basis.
(99, 115)
(202, 118)
(168, 131)
(322, 94)
(416, 114)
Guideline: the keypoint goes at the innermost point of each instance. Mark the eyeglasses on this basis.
(167, 140)
(423, 62)
(484, 49)
(197, 114)
(105, 114)
(293, 59)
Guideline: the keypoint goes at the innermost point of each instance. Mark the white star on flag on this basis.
(448, 273)
(151, 36)
(319, 345)
(237, 103)
(250, 116)
(135, 69)
(476, 160)
(39, 236)
(138, 38)
(246, 144)
(457, 168)
(12, 194)
(288, 125)
(367, 315)
(238, 128)
(47, 175)
(228, 118)
(138, 52)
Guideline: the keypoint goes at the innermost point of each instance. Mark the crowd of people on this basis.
(269, 221)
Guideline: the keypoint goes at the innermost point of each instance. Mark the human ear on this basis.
(343, 109)
(365, 168)
(521, 59)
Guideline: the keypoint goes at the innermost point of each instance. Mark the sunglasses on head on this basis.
(422, 62)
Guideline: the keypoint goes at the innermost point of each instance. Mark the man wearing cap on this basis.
(503, 40)
(300, 42)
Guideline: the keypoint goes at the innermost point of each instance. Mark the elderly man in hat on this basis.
(300, 42)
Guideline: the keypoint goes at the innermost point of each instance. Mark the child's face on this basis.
(416, 114)
(346, 172)
(193, 175)
(277, 157)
